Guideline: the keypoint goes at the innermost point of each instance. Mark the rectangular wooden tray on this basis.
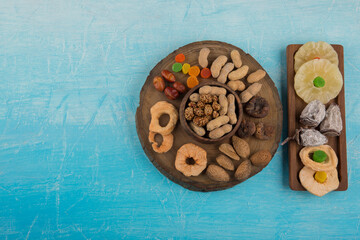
(295, 106)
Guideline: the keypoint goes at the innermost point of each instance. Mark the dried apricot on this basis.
(192, 81)
(205, 73)
(180, 58)
(194, 71)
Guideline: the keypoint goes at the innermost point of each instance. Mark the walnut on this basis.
(216, 106)
(200, 104)
(208, 110)
(189, 113)
(206, 98)
(198, 112)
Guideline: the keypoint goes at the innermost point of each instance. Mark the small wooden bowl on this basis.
(185, 100)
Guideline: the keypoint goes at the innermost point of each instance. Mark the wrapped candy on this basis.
(307, 137)
(332, 124)
(313, 114)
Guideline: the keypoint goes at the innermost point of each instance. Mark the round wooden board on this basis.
(165, 162)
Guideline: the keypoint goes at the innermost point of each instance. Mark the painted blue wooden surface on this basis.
(71, 165)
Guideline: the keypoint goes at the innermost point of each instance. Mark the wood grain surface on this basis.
(295, 107)
(165, 162)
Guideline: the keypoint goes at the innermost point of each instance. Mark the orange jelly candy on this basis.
(180, 58)
(192, 81)
(316, 58)
(194, 71)
(205, 73)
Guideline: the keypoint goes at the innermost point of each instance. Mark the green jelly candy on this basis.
(319, 82)
(176, 67)
(319, 156)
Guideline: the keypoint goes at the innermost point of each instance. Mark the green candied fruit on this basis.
(319, 156)
(319, 82)
(176, 67)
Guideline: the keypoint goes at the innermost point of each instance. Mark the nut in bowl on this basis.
(211, 112)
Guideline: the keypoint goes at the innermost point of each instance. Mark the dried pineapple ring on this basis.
(308, 181)
(330, 163)
(315, 50)
(309, 71)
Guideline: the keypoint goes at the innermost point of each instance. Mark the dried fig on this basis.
(246, 129)
(263, 131)
(257, 107)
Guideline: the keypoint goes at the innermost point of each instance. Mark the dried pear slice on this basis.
(306, 82)
(307, 179)
(315, 50)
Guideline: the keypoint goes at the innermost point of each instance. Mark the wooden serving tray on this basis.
(295, 107)
(165, 162)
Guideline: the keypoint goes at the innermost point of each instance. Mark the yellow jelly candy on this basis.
(320, 176)
(185, 68)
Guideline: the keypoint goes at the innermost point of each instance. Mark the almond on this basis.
(217, 173)
(242, 148)
(244, 170)
(261, 158)
(228, 150)
(225, 162)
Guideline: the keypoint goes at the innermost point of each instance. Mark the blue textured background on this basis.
(71, 165)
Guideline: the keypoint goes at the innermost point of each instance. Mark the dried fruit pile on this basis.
(317, 81)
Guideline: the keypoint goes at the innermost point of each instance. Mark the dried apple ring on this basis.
(166, 145)
(158, 109)
(330, 163)
(190, 159)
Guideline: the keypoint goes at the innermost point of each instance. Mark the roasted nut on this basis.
(203, 55)
(257, 107)
(256, 76)
(216, 66)
(221, 131)
(217, 173)
(159, 83)
(231, 109)
(236, 85)
(238, 73)
(198, 130)
(225, 162)
(179, 87)
(223, 104)
(198, 112)
(263, 131)
(212, 90)
(215, 114)
(189, 113)
(261, 158)
(251, 91)
(171, 93)
(206, 98)
(216, 106)
(218, 122)
(208, 110)
(246, 129)
(236, 58)
(215, 98)
(200, 104)
(194, 97)
(244, 170)
(241, 147)
(200, 121)
(228, 67)
(168, 76)
(228, 150)
(192, 104)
